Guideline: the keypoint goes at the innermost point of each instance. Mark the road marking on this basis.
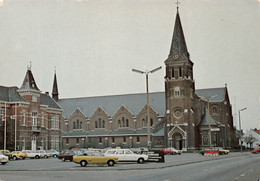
(243, 175)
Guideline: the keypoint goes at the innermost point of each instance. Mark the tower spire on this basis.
(178, 49)
(55, 92)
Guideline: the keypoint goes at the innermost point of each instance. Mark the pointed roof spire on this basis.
(29, 82)
(207, 119)
(178, 49)
(55, 92)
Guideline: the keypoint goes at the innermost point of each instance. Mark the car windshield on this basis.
(110, 152)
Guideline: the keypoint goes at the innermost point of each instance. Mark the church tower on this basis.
(179, 93)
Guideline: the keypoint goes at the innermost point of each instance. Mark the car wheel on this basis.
(37, 156)
(71, 160)
(55, 156)
(179, 153)
(45, 156)
(23, 158)
(140, 160)
(14, 158)
(63, 159)
(110, 163)
(83, 163)
(3, 163)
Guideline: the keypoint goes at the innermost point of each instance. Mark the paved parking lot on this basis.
(54, 164)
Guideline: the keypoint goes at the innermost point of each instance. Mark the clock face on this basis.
(175, 55)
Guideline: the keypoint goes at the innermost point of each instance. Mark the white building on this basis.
(251, 138)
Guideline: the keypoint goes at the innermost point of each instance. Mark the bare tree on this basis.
(249, 140)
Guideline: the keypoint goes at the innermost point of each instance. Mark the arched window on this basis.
(123, 122)
(180, 72)
(80, 125)
(143, 123)
(119, 123)
(96, 124)
(103, 126)
(172, 72)
(99, 123)
(151, 121)
(77, 124)
(214, 110)
(74, 125)
(127, 123)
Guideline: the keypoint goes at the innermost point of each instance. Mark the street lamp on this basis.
(240, 126)
(207, 99)
(147, 95)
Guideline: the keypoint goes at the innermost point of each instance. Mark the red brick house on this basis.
(32, 119)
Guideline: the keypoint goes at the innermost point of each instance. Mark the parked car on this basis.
(43, 153)
(209, 150)
(136, 150)
(31, 154)
(3, 159)
(7, 153)
(256, 150)
(53, 153)
(222, 151)
(126, 155)
(68, 155)
(18, 155)
(175, 151)
(94, 158)
(168, 151)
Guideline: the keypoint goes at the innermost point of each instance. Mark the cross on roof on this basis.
(177, 3)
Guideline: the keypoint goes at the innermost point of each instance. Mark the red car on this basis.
(256, 150)
(68, 155)
(168, 151)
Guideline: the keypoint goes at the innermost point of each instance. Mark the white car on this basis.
(3, 159)
(43, 153)
(30, 154)
(126, 155)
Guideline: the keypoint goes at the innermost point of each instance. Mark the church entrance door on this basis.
(177, 141)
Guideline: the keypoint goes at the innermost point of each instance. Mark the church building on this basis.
(180, 117)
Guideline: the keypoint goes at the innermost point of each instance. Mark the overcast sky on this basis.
(94, 44)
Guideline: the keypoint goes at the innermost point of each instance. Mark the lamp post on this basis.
(207, 99)
(240, 127)
(147, 96)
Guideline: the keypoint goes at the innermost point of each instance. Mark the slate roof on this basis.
(55, 86)
(219, 92)
(207, 117)
(45, 99)
(133, 102)
(178, 45)
(29, 82)
(159, 133)
(9, 94)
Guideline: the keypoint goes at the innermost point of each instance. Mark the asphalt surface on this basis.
(185, 167)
